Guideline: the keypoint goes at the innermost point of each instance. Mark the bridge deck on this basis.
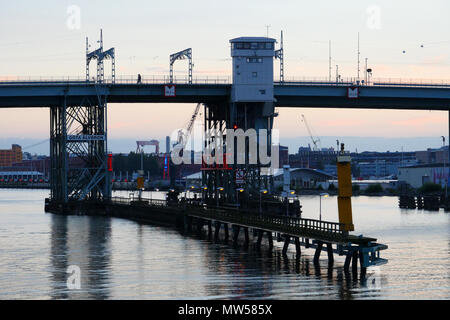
(377, 95)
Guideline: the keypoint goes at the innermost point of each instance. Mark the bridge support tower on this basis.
(78, 151)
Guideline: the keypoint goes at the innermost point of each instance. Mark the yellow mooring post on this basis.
(345, 190)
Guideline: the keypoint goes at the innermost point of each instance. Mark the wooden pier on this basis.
(319, 235)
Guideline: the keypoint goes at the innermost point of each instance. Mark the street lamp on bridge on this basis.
(325, 195)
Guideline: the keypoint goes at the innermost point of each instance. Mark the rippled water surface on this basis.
(122, 259)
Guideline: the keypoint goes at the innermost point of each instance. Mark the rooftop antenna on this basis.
(279, 54)
(329, 61)
(267, 29)
(359, 62)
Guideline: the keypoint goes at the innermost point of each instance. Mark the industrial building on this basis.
(432, 156)
(10, 156)
(302, 178)
(381, 168)
(416, 176)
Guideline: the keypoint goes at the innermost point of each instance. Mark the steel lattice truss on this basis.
(181, 55)
(78, 151)
(100, 56)
(217, 119)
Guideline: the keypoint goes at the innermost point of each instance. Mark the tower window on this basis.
(254, 74)
(254, 60)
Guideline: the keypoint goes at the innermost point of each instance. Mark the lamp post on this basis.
(445, 175)
(325, 195)
(217, 197)
(261, 192)
(291, 193)
(204, 188)
(238, 190)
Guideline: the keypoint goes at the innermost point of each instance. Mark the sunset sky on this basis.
(401, 39)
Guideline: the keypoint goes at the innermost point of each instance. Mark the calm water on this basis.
(121, 259)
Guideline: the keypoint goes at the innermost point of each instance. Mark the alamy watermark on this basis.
(373, 17)
(74, 279)
(232, 147)
(73, 21)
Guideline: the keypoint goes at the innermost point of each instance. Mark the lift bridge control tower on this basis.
(252, 69)
(251, 106)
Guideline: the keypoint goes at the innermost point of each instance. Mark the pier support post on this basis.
(306, 243)
(355, 262)
(200, 223)
(258, 241)
(361, 262)
(227, 235)
(348, 259)
(185, 223)
(209, 229)
(246, 241)
(189, 220)
(287, 240)
(330, 254)
(297, 247)
(318, 251)
(216, 231)
(270, 238)
(236, 230)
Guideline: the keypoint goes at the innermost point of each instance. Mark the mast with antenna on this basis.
(329, 61)
(359, 62)
(87, 61)
(279, 54)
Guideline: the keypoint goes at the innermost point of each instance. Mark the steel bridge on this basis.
(78, 129)
(79, 118)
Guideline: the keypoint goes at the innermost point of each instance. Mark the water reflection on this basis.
(83, 242)
(122, 259)
(245, 273)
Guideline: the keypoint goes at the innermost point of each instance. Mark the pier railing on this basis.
(141, 201)
(294, 226)
(300, 227)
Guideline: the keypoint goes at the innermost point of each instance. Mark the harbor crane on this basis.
(315, 141)
(183, 134)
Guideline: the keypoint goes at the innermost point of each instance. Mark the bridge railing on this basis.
(352, 81)
(123, 79)
(214, 79)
